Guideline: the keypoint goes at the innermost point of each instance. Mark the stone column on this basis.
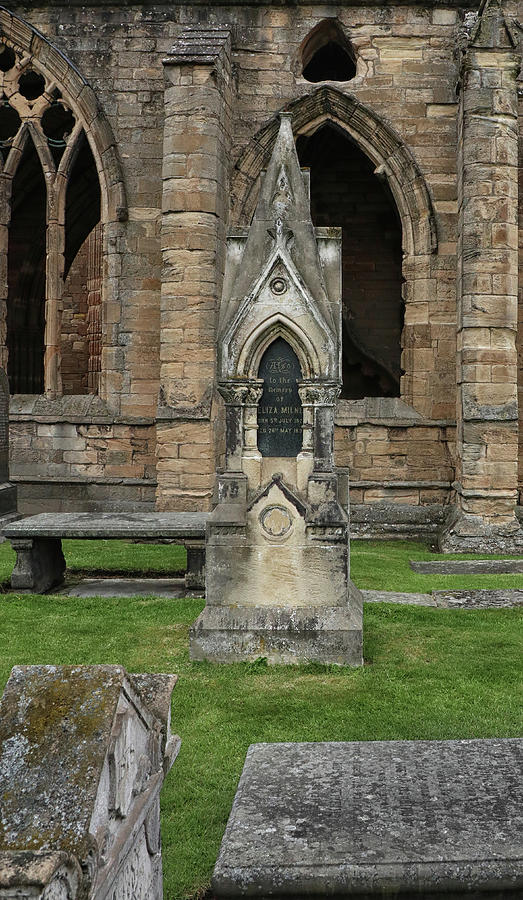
(234, 396)
(198, 96)
(54, 284)
(94, 307)
(487, 410)
(319, 401)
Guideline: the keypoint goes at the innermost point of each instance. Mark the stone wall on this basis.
(217, 96)
(88, 466)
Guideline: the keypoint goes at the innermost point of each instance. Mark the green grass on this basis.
(117, 557)
(384, 566)
(375, 565)
(429, 673)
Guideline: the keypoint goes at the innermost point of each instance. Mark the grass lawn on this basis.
(429, 673)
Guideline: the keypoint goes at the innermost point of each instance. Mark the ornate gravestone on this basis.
(277, 581)
(83, 754)
(7, 490)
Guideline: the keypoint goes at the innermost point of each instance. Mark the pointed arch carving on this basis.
(278, 326)
(376, 138)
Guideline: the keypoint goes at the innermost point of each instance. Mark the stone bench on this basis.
(37, 542)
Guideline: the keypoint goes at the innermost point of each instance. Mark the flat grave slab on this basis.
(467, 566)
(480, 599)
(170, 588)
(398, 597)
(408, 819)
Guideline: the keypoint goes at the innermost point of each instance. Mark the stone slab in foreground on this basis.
(383, 818)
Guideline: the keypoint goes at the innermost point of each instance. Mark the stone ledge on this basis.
(79, 479)
(109, 525)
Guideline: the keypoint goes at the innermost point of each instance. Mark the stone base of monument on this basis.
(280, 635)
(402, 819)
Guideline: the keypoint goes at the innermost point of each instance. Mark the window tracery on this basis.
(50, 218)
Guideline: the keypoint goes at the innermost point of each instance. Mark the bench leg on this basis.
(40, 564)
(195, 574)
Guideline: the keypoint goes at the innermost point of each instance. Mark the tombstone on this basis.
(8, 509)
(83, 754)
(411, 820)
(277, 570)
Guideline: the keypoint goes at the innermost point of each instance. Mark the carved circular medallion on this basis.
(276, 522)
(278, 285)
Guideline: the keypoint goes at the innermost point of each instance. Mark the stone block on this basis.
(414, 819)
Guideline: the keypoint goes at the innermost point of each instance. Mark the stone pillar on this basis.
(94, 307)
(8, 509)
(234, 396)
(487, 410)
(198, 96)
(54, 283)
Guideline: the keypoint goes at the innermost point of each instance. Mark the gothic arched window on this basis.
(50, 234)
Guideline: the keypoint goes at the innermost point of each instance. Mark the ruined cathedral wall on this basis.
(406, 74)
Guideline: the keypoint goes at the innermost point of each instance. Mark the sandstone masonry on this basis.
(178, 105)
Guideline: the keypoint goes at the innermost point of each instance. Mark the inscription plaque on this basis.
(280, 415)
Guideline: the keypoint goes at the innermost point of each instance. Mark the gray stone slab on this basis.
(467, 566)
(398, 597)
(170, 588)
(110, 525)
(414, 819)
(482, 599)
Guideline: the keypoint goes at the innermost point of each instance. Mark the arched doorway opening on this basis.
(346, 192)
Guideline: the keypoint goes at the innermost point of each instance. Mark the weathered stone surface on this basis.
(40, 564)
(128, 587)
(110, 525)
(398, 597)
(7, 490)
(84, 750)
(280, 635)
(479, 599)
(419, 819)
(468, 566)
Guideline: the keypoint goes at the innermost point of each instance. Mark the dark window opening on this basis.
(57, 125)
(10, 122)
(31, 84)
(7, 58)
(26, 276)
(81, 322)
(345, 192)
(327, 54)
